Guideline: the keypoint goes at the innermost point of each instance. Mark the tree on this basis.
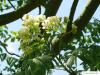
(51, 41)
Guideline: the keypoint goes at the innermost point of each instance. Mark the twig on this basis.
(63, 65)
(11, 4)
(59, 69)
(56, 62)
(71, 16)
(4, 46)
(39, 9)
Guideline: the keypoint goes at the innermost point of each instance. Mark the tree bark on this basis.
(12, 16)
(52, 7)
(81, 22)
(87, 14)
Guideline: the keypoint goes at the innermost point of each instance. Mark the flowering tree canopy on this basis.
(47, 41)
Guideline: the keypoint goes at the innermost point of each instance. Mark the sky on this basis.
(64, 10)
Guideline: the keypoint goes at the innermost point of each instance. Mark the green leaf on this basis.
(11, 61)
(4, 2)
(70, 61)
(3, 56)
(6, 39)
(19, 73)
(13, 39)
(28, 71)
(14, 33)
(0, 50)
(45, 58)
(6, 31)
(4, 44)
(36, 69)
(20, 3)
(96, 39)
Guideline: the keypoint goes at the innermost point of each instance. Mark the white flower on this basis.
(40, 18)
(54, 19)
(31, 30)
(45, 24)
(51, 23)
(24, 33)
(28, 21)
(25, 17)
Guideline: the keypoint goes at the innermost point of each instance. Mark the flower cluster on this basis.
(30, 32)
(52, 23)
(30, 35)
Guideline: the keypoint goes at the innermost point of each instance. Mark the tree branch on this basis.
(39, 8)
(4, 46)
(63, 65)
(87, 14)
(11, 5)
(52, 7)
(71, 16)
(12, 16)
(81, 22)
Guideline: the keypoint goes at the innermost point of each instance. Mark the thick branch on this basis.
(71, 16)
(12, 16)
(81, 22)
(52, 7)
(87, 14)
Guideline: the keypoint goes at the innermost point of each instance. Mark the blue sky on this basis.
(63, 11)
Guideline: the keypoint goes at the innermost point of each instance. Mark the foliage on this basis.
(6, 36)
(8, 4)
(37, 37)
(36, 33)
(4, 5)
(81, 47)
(89, 46)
